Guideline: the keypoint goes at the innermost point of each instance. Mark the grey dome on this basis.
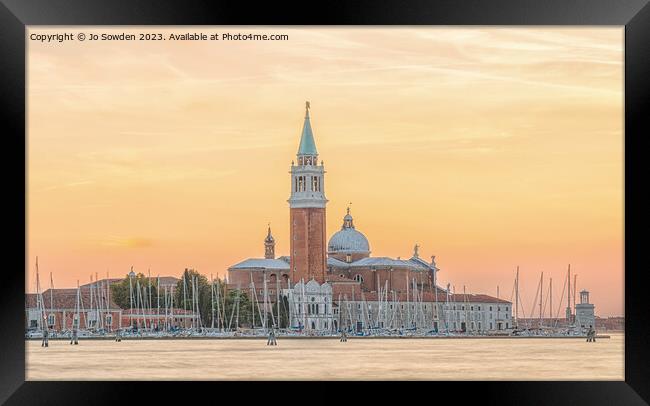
(348, 240)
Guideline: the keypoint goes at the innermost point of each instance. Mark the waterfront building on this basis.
(92, 307)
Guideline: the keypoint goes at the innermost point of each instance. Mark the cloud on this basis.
(125, 242)
(69, 185)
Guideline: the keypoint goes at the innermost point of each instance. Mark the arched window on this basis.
(358, 278)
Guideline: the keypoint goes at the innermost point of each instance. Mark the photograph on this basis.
(328, 203)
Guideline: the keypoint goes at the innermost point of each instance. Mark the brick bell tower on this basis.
(307, 211)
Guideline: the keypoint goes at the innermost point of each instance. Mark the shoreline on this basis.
(312, 338)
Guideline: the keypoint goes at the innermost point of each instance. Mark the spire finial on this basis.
(307, 144)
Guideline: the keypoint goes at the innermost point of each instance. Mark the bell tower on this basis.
(307, 210)
(269, 245)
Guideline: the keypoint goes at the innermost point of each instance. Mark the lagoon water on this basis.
(329, 359)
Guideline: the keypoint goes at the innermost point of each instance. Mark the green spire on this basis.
(307, 144)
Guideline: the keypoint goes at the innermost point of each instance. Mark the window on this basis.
(109, 319)
(358, 278)
(471, 308)
(50, 319)
(348, 258)
(490, 308)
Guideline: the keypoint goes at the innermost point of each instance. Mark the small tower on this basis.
(585, 316)
(269, 245)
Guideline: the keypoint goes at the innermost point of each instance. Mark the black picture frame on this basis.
(15, 15)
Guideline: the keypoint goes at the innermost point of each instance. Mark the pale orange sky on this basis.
(489, 147)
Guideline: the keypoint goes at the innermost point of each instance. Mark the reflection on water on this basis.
(329, 359)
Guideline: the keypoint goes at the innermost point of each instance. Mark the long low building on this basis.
(92, 307)
(315, 306)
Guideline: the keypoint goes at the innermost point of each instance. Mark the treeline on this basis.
(217, 306)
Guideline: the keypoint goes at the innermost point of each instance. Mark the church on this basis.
(334, 284)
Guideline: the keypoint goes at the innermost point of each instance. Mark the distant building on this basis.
(585, 316)
(323, 277)
(61, 309)
(97, 310)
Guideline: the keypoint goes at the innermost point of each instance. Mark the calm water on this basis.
(317, 359)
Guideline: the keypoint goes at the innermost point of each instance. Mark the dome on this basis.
(348, 240)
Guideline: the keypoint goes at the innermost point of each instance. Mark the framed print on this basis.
(273, 195)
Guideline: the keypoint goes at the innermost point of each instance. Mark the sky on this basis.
(489, 147)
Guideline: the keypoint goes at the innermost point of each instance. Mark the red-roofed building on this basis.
(97, 310)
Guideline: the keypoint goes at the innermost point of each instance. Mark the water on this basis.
(329, 359)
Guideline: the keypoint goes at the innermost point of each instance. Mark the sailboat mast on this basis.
(541, 297)
(550, 296)
(77, 321)
(211, 301)
(265, 302)
(408, 305)
(252, 298)
(39, 299)
(277, 298)
(158, 300)
(238, 297)
(568, 295)
(575, 283)
(517, 298)
(131, 297)
(51, 292)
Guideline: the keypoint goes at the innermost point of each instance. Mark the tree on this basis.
(187, 300)
(238, 299)
(126, 295)
(284, 312)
